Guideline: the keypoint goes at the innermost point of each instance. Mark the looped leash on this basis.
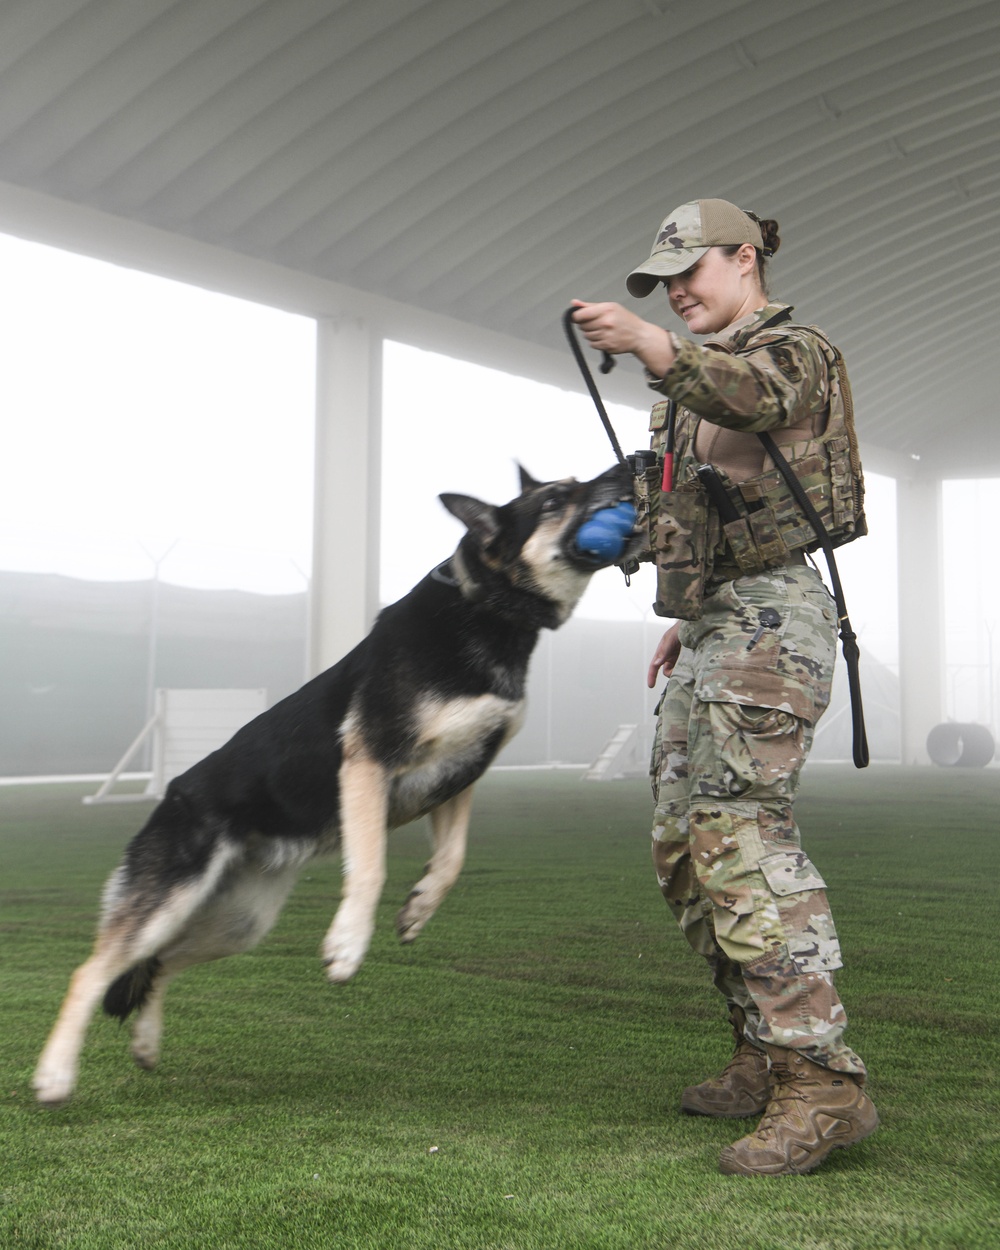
(606, 365)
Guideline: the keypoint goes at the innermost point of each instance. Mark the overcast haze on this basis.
(146, 420)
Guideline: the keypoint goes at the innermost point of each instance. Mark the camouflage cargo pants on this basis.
(735, 726)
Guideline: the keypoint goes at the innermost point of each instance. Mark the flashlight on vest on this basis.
(604, 535)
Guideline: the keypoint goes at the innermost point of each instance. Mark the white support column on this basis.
(921, 614)
(344, 591)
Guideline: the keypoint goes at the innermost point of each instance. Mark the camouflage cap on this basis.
(686, 235)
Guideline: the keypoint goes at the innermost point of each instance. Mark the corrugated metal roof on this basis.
(490, 159)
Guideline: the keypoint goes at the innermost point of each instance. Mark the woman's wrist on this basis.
(655, 349)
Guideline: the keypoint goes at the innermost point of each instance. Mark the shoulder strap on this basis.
(848, 638)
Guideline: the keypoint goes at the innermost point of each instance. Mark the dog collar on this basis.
(458, 575)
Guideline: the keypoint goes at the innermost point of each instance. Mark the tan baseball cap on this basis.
(686, 235)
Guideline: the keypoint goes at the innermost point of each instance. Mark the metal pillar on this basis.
(344, 590)
(921, 614)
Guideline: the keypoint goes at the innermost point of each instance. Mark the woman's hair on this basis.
(772, 241)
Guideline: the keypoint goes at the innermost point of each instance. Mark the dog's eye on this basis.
(552, 504)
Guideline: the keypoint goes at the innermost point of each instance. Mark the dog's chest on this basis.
(455, 740)
(452, 728)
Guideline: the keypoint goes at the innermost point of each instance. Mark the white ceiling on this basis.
(491, 159)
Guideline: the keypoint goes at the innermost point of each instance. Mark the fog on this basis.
(156, 430)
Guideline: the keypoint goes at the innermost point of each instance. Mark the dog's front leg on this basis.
(364, 789)
(450, 826)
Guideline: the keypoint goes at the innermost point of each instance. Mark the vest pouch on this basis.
(772, 549)
(754, 542)
(775, 513)
(645, 494)
(681, 542)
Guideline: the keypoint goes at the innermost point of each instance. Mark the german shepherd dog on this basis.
(402, 726)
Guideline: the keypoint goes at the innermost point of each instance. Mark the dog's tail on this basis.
(131, 989)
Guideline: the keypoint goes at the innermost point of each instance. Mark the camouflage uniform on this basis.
(738, 715)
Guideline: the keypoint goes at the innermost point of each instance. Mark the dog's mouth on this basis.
(605, 533)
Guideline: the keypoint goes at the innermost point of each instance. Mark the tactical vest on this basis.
(693, 547)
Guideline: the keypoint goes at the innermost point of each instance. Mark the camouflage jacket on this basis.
(763, 373)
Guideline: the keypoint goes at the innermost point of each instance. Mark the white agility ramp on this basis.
(623, 755)
(186, 725)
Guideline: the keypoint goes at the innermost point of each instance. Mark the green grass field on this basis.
(510, 1081)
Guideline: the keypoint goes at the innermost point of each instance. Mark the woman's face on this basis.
(717, 290)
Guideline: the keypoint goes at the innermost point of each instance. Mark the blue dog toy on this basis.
(604, 536)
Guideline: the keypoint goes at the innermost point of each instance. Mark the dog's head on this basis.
(528, 548)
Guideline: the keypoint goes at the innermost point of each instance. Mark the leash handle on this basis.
(606, 365)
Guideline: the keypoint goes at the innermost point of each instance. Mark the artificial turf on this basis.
(511, 1080)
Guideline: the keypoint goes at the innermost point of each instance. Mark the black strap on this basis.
(848, 638)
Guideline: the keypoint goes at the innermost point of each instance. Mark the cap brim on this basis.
(663, 265)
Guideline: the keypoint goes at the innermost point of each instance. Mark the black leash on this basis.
(848, 638)
(606, 365)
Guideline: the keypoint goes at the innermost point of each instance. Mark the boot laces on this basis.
(783, 1090)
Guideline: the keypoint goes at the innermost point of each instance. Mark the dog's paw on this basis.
(146, 1057)
(53, 1086)
(342, 958)
(419, 907)
(146, 1031)
(411, 919)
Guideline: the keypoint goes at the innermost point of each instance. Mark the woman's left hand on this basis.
(666, 655)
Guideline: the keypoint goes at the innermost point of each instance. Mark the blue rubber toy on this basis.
(604, 536)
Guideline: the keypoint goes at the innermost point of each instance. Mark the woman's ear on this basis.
(746, 258)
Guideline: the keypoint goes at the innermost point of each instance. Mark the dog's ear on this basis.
(527, 481)
(479, 518)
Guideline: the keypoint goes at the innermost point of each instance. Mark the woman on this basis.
(749, 668)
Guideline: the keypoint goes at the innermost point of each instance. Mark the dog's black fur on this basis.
(402, 726)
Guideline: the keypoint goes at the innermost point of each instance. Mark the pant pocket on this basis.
(799, 896)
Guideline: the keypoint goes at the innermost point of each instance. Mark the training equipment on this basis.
(185, 726)
(604, 536)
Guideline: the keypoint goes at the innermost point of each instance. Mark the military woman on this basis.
(749, 662)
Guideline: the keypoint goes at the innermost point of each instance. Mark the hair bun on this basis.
(769, 233)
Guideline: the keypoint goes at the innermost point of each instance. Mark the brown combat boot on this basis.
(812, 1111)
(741, 1088)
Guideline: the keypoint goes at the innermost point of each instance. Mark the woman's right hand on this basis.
(665, 655)
(611, 328)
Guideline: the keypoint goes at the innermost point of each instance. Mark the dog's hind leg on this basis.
(148, 1027)
(450, 827)
(233, 920)
(124, 941)
(364, 791)
(55, 1075)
